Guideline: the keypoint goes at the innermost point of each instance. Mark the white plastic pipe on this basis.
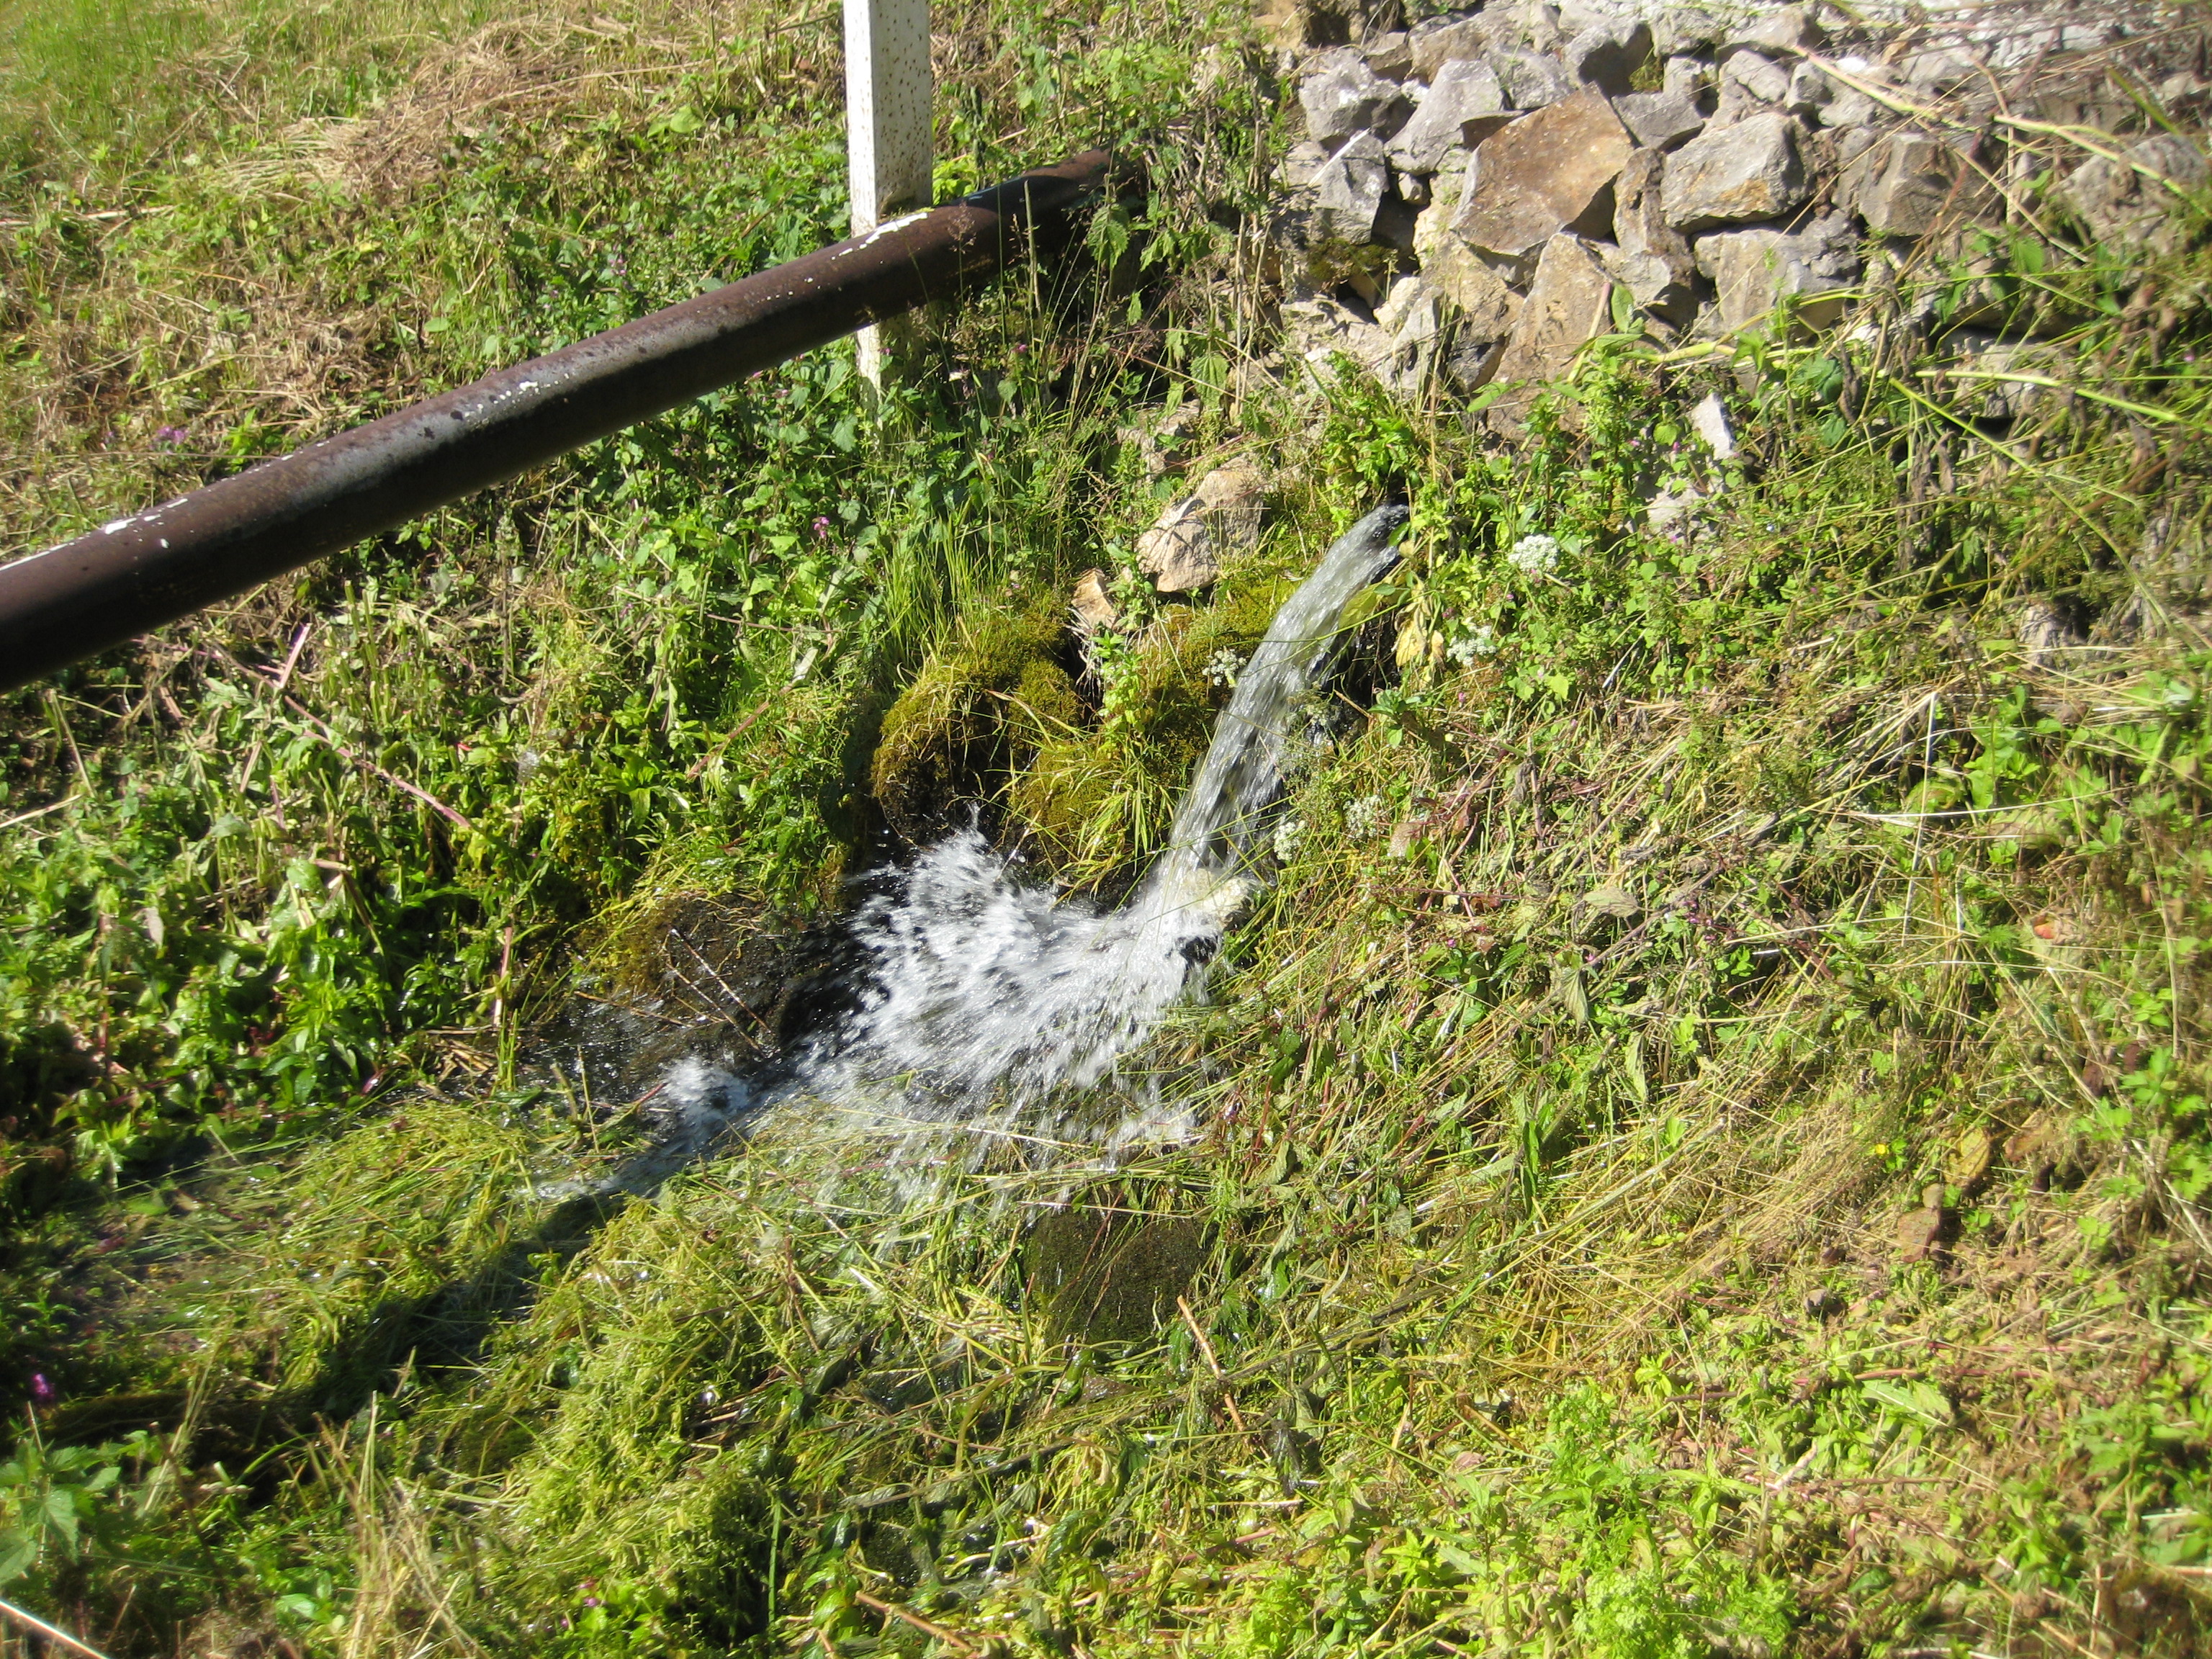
(887, 110)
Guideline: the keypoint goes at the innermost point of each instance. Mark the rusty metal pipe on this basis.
(66, 603)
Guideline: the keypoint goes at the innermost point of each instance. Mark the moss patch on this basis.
(981, 706)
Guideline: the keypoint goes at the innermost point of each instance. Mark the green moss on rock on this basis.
(980, 708)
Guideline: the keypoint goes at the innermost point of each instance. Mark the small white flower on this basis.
(1483, 642)
(1538, 555)
(1288, 834)
(1221, 670)
(1364, 818)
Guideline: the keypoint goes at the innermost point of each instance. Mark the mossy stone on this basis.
(981, 706)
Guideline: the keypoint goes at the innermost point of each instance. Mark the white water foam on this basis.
(991, 1008)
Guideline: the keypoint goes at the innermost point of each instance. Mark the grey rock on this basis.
(2124, 209)
(1184, 549)
(1658, 120)
(1846, 146)
(1978, 383)
(1851, 107)
(1447, 193)
(1576, 16)
(1907, 184)
(1690, 79)
(1318, 326)
(1710, 421)
(1413, 315)
(1465, 106)
(1679, 30)
(1470, 365)
(1810, 92)
(1301, 164)
(1780, 30)
(1750, 171)
(1349, 191)
(1436, 43)
(1653, 263)
(1752, 271)
(1608, 54)
(1535, 24)
(1344, 96)
(1531, 80)
(1570, 304)
(1547, 172)
(1390, 56)
(1161, 440)
(1761, 78)
(1413, 190)
(1940, 67)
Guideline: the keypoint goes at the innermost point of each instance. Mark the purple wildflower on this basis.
(42, 1392)
(821, 528)
(169, 436)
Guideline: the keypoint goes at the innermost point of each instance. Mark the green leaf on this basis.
(18, 1551)
(1920, 1401)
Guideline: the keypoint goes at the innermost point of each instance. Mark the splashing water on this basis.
(989, 1005)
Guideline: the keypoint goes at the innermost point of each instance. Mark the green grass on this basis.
(1681, 919)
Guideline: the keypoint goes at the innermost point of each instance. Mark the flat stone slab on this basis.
(1344, 96)
(1568, 304)
(1743, 173)
(1547, 172)
(1908, 184)
(1753, 271)
(1464, 106)
(1659, 120)
(1349, 189)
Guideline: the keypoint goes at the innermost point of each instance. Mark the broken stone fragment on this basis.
(1547, 172)
(1762, 79)
(1654, 262)
(1184, 550)
(1412, 314)
(1607, 55)
(1659, 120)
(1568, 304)
(1780, 30)
(1464, 106)
(1390, 56)
(1752, 271)
(1486, 308)
(1710, 421)
(1747, 172)
(1907, 184)
(1344, 96)
(1349, 190)
(1092, 608)
(1810, 92)
(1532, 80)
(1301, 164)
(1679, 30)
(1690, 79)
(1320, 325)
(1436, 43)
(2123, 208)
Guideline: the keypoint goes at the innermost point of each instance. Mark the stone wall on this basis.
(1474, 198)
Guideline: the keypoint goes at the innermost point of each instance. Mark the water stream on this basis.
(990, 1006)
